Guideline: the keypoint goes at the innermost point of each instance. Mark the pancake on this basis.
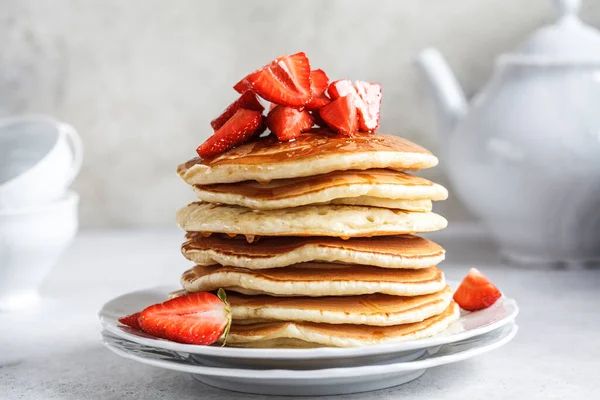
(314, 280)
(371, 187)
(312, 153)
(398, 204)
(315, 220)
(310, 334)
(369, 309)
(273, 252)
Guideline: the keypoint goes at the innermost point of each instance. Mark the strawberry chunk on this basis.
(288, 123)
(318, 86)
(247, 100)
(340, 115)
(196, 318)
(241, 127)
(284, 81)
(476, 292)
(340, 88)
(367, 100)
(132, 321)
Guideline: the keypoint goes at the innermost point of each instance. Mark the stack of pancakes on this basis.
(313, 240)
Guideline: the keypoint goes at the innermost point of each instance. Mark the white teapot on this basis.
(524, 155)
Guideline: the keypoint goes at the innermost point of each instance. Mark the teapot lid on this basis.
(567, 41)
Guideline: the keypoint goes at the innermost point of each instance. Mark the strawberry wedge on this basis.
(288, 123)
(367, 99)
(241, 127)
(476, 292)
(247, 101)
(284, 81)
(318, 85)
(340, 115)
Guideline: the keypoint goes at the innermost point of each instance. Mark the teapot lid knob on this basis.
(567, 8)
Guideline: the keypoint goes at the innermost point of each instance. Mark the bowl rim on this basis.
(70, 196)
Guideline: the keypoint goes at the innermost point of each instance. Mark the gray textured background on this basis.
(141, 79)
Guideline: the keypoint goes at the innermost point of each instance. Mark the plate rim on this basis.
(297, 354)
(324, 373)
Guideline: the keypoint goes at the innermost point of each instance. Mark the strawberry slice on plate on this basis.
(284, 81)
(247, 100)
(340, 115)
(367, 98)
(318, 86)
(196, 318)
(476, 292)
(242, 126)
(132, 321)
(288, 123)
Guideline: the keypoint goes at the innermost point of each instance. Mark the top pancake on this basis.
(312, 153)
(337, 185)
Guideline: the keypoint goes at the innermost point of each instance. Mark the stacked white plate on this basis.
(307, 372)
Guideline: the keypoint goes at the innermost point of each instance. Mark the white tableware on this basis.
(31, 240)
(39, 158)
(469, 325)
(524, 156)
(316, 382)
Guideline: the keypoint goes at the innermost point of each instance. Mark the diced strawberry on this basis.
(476, 292)
(196, 318)
(367, 100)
(340, 88)
(319, 84)
(132, 321)
(242, 126)
(247, 100)
(284, 81)
(368, 112)
(340, 115)
(319, 81)
(288, 123)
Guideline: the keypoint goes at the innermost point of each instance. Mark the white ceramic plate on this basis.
(469, 325)
(317, 381)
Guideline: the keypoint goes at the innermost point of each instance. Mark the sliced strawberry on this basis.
(242, 126)
(247, 100)
(196, 318)
(319, 84)
(368, 112)
(340, 115)
(367, 100)
(284, 81)
(319, 81)
(340, 88)
(288, 123)
(132, 321)
(476, 292)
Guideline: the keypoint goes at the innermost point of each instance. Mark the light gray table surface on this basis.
(54, 352)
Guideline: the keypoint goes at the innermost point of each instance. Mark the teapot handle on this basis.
(567, 8)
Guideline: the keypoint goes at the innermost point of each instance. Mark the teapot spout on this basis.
(450, 102)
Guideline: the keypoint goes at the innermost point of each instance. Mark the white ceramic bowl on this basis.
(39, 158)
(31, 240)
